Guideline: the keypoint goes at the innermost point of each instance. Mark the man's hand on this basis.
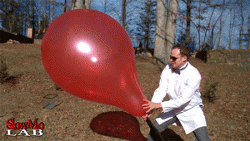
(146, 116)
(150, 106)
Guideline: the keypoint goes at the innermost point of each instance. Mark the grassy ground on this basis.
(228, 113)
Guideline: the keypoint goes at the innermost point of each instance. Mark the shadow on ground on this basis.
(170, 135)
(11, 79)
(122, 125)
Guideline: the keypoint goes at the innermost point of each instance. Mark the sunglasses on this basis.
(173, 58)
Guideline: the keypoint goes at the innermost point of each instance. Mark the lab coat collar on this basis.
(179, 70)
(184, 66)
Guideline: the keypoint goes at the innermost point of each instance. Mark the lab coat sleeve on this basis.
(161, 91)
(187, 92)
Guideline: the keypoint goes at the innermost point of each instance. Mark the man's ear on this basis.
(184, 58)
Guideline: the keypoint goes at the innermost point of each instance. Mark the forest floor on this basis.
(224, 88)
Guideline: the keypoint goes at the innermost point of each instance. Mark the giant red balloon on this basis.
(89, 54)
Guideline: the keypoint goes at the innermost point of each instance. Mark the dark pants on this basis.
(201, 134)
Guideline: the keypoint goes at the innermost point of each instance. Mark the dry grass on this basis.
(228, 117)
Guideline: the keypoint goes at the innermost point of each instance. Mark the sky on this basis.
(225, 18)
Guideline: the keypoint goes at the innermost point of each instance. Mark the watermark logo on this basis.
(37, 128)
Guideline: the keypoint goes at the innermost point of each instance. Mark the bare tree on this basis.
(199, 30)
(200, 17)
(28, 14)
(248, 32)
(39, 17)
(87, 4)
(45, 15)
(123, 21)
(230, 30)
(185, 14)
(218, 46)
(77, 4)
(18, 15)
(126, 17)
(9, 10)
(160, 48)
(105, 6)
(188, 20)
(33, 17)
(211, 39)
(65, 6)
(208, 25)
(248, 39)
(20, 18)
(221, 23)
(51, 11)
(192, 5)
(80, 4)
(232, 22)
(147, 20)
(242, 22)
(170, 27)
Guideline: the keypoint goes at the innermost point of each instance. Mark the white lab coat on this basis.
(184, 97)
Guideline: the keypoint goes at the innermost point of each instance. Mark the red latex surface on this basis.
(89, 54)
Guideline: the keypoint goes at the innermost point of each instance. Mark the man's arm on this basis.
(158, 96)
(161, 91)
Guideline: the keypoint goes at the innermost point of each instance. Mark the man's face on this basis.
(176, 59)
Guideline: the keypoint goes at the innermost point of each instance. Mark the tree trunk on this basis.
(39, 17)
(10, 23)
(105, 5)
(170, 27)
(218, 46)
(65, 6)
(28, 14)
(124, 3)
(208, 25)
(230, 30)
(242, 23)
(199, 26)
(160, 48)
(21, 23)
(77, 4)
(33, 18)
(211, 39)
(188, 20)
(52, 11)
(248, 38)
(87, 4)
(45, 16)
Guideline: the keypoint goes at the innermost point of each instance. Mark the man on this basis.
(181, 82)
